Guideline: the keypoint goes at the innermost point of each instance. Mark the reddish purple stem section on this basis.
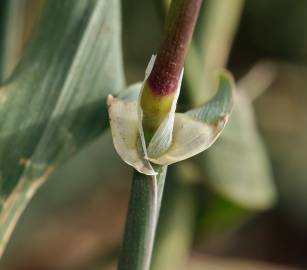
(166, 72)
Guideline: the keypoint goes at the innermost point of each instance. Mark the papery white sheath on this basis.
(180, 135)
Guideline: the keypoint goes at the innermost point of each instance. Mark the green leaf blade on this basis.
(54, 103)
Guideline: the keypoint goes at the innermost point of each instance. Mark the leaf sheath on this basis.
(143, 213)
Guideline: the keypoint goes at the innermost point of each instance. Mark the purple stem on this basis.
(166, 72)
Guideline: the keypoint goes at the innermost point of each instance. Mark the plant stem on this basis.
(143, 213)
(162, 83)
(166, 72)
(156, 102)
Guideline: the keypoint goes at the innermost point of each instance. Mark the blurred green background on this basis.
(76, 219)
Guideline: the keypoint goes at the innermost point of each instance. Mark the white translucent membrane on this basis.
(180, 136)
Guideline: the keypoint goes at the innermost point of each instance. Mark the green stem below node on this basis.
(143, 213)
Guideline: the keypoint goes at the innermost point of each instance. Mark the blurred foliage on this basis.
(237, 164)
(282, 118)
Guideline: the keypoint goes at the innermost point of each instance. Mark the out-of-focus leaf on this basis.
(11, 29)
(54, 103)
(282, 115)
(211, 47)
(237, 165)
(18, 18)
